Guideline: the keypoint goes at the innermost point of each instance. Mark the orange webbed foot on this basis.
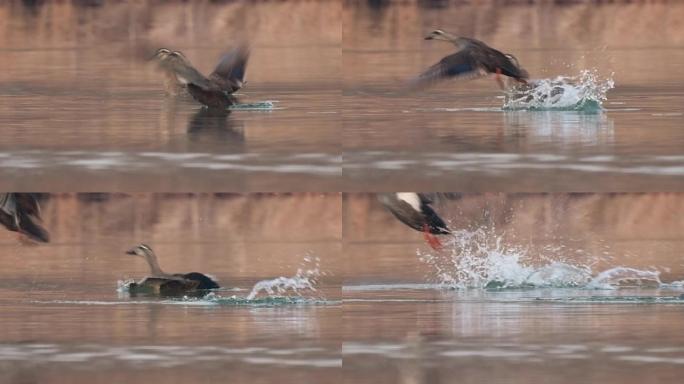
(431, 239)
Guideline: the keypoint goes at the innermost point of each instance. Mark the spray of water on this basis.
(481, 259)
(304, 281)
(584, 92)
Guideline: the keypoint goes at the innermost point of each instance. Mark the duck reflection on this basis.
(216, 126)
(562, 128)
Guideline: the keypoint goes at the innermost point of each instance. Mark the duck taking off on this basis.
(213, 91)
(472, 59)
(414, 210)
(165, 284)
(20, 212)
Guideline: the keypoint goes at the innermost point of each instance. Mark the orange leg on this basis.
(499, 79)
(431, 239)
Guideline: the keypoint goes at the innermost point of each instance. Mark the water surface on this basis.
(428, 335)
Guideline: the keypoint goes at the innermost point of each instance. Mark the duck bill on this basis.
(131, 252)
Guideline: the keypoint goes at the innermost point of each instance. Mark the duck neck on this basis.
(154, 265)
(459, 42)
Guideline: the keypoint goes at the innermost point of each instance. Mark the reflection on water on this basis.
(558, 336)
(215, 126)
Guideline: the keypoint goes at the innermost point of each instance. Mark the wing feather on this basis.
(460, 64)
(230, 71)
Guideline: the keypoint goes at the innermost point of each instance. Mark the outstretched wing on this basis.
(460, 64)
(230, 71)
(185, 73)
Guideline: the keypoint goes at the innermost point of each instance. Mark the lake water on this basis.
(430, 335)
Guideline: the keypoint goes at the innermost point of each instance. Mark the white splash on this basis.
(123, 286)
(305, 279)
(585, 92)
(481, 259)
(613, 277)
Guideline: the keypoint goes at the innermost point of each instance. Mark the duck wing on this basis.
(204, 281)
(20, 212)
(461, 64)
(404, 209)
(229, 74)
(185, 73)
(494, 60)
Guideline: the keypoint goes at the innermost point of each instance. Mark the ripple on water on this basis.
(168, 355)
(446, 351)
(303, 163)
(503, 163)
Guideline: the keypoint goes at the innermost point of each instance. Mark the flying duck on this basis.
(164, 284)
(20, 212)
(414, 210)
(473, 58)
(213, 91)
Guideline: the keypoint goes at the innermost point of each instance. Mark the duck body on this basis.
(161, 286)
(20, 212)
(203, 281)
(164, 284)
(414, 210)
(212, 98)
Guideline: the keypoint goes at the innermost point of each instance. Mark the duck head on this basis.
(141, 250)
(161, 54)
(438, 34)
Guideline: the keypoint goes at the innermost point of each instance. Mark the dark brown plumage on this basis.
(414, 210)
(473, 59)
(20, 212)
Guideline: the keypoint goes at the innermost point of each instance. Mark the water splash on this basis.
(584, 92)
(615, 276)
(481, 259)
(305, 280)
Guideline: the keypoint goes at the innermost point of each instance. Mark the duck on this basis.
(213, 91)
(415, 210)
(20, 212)
(165, 284)
(472, 59)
